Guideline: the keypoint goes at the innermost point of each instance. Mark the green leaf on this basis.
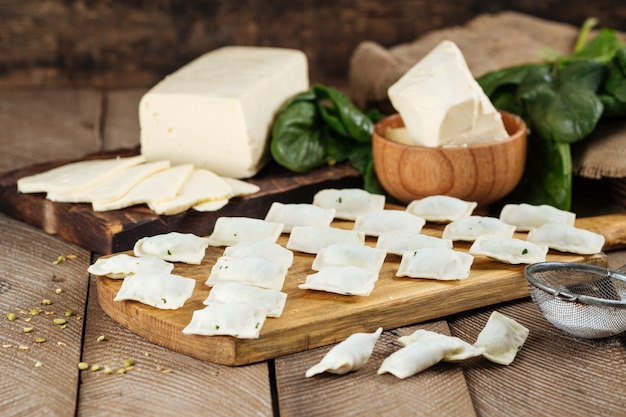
(342, 115)
(602, 47)
(616, 81)
(296, 138)
(512, 76)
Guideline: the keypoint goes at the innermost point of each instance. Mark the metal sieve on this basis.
(583, 300)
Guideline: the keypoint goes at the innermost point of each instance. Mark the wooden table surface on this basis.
(553, 374)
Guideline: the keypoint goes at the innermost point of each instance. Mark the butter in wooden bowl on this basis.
(447, 137)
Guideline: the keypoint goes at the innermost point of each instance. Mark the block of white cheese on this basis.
(441, 103)
(217, 111)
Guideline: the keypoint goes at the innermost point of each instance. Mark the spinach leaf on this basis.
(322, 126)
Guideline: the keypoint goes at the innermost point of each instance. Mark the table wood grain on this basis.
(554, 374)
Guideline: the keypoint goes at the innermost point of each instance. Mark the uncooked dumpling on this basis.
(471, 227)
(229, 231)
(349, 202)
(509, 250)
(299, 214)
(122, 265)
(435, 263)
(157, 289)
(349, 254)
(243, 321)
(441, 208)
(526, 217)
(173, 247)
(565, 238)
(502, 337)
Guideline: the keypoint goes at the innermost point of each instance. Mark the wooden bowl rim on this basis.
(396, 119)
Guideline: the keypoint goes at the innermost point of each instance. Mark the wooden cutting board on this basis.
(118, 230)
(313, 318)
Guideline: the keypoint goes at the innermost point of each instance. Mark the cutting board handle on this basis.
(611, 226)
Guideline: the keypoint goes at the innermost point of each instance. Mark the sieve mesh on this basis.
(584, 300)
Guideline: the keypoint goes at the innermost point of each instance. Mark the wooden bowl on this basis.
(482, 173)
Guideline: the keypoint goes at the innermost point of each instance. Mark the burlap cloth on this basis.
(490, 42)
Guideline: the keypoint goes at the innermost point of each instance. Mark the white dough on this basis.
(173, 247)
(242, 321)
(509, 250)
(121, 265)
(400, 241)
(435, 263)
(299, 214)
(261, 249)
(565, 238)
(272, 301)
(311, 239)
(502, 337)
(416, 357)
(348, 356)
(349, 254)
(458, 348)
(526, 217)
(250, 270)
(229, 231)
(378, 222)
(469, 228)
(441, 208)
(349, 202)
(344, 280)
(157, 289)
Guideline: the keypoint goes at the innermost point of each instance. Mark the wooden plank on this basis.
(118, 230)
(161, 382)
(48, 125)
(39, 377)
(438, 391)
(556, 374)
(314, 318)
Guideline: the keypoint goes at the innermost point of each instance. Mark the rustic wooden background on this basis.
(133, 43)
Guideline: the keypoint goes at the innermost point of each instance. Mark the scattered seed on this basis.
(34, 311)
(46, 302)
(100, 338)
(11, 316)
(40, 340)
(58, 291)
(71, 256)
(7, 346)
(69, 313)
(108, 370)
(28, 319)
(22, 347)
(83, 365)
(63, 326)
(129, 362)
(49, 313)
(121, 371)
(28, 329)
(60, 259)
(38, 364)
(95, 368)
(59, 321)
(61, 343)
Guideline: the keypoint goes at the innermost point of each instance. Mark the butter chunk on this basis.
(217, 111)
(441, 103)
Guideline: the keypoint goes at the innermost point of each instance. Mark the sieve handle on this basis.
(611, 226)
(565, 297)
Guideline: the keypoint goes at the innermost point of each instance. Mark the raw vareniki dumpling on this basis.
(265, 249)
(567, 238)
(349, 254)
(349, 355)
(526, 217)
(249, 270)
(345, 280)
(243, 321)
(502, 337)
(272, 301)
(299, 214)
(157, 289)
(435, 263)
(173, 247)
(458, 350)
(349, 202)
(469, 228)
(509, 250)
(311, 239)
(441, 208)
(400, 241)
(381, 221)
(122, 265)
(228, 231)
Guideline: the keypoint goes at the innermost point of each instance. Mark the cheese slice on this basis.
(113, 188)
(76, 176)
(201, 186)
(161, 186)
(216, 112)
(237, 188)
(441, 103)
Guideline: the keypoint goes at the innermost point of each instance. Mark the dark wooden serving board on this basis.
(118, 230)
